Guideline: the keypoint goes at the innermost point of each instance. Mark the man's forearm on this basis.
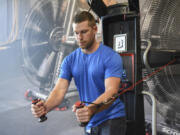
(105, 96)
(103, 101)
(57, 95)
(54, 99)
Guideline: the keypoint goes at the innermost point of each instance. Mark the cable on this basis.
(122, 91)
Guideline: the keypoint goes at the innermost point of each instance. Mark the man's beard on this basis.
(88, 45)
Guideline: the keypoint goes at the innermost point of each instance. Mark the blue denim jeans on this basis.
(115, 126)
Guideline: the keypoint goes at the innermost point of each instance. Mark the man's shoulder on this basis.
(109, 54)
(107, 50)
(74, 53)
(72, 56)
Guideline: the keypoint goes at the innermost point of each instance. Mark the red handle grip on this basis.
(79, 105)
(43, 117)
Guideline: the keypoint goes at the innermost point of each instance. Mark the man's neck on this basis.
(92, 49)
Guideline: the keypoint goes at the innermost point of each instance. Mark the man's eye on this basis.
(75, 33)
(85, 31)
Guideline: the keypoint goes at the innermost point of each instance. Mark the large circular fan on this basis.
(160, 24)
(43, 43)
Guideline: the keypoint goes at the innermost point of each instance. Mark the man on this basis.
(97, 70)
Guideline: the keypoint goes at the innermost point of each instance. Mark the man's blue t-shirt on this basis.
(89, 72)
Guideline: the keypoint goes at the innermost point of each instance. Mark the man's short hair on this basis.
(84, 16)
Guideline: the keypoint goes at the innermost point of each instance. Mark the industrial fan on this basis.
(47, 39)
(160, 25)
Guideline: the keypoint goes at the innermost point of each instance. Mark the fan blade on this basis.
(58, 11)
(46, 64)
(61, 12)
(37, 18)
(37, 54)
(35, 28)
(47, 12)
(40, 43)
(35, 35)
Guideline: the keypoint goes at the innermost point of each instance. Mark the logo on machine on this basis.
(120, 43)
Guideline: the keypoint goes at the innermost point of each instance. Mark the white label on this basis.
(120, 43)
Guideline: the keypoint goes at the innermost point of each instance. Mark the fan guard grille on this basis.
(161, 25)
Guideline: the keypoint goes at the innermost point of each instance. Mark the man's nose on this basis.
(80, 36)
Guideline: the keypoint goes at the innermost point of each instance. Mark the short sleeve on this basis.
(65, 69)
(114, 66)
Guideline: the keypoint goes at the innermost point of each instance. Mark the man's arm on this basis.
(54, 99)
(57, 95)
(111, 87)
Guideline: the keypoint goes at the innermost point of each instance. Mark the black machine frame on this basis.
(126, 22)
(129, 24)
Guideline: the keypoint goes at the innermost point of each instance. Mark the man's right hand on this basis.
(38, 109)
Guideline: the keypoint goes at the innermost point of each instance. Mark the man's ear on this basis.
(95, 28)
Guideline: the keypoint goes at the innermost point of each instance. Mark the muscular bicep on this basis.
(112, 83)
